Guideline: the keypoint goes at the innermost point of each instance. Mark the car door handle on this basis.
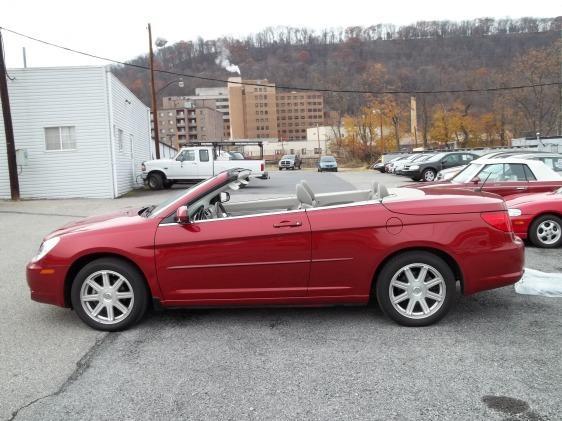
(520, 188)
(283, 224)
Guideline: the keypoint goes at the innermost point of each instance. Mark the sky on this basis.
(117, 28)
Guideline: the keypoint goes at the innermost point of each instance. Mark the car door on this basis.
(204, 163)
(184, 166)
(504, 179)
(238, 260)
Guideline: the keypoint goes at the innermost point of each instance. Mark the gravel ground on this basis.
(497, 355)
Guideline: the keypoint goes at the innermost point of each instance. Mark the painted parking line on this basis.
(535, 282)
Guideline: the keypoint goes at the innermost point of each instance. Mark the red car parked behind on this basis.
(407, 249)
(538, 217)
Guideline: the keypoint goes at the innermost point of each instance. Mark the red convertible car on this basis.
(506, 177)
(407, 249)
(538, 217)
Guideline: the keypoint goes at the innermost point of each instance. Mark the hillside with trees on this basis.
(425, 56)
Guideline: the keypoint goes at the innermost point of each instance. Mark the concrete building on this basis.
(298, 111)
(79, 132)
(253, 113)
(188, 121)
(216, 97)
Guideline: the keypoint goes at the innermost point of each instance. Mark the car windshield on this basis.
(155, 209)
(467, 174)
(288, 157)
(327, 159)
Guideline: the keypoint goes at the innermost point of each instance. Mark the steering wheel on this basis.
(220, 211)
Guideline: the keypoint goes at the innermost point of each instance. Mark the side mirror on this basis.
(182, 216)
(224, 197)
(476, 180)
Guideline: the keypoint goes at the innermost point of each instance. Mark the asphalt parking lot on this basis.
(497, 355)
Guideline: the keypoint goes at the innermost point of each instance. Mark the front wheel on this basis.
(546, 231)
(415, 288)
(109, 294)
(155, 181)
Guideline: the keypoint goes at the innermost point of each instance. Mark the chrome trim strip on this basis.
(220, 265)
(257, 215)
(335, 259)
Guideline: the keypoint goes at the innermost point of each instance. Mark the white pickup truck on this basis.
(193, 164)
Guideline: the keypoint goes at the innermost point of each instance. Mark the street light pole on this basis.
(8, 127)
(318, 137)
(153, 93)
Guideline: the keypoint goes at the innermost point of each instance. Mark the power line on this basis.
(289, 88)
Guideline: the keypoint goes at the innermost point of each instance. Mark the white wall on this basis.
(47, 97)
(131, 116)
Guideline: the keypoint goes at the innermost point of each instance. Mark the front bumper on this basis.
(46, 283)
(328, 168)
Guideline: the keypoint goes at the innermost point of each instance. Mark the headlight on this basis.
(415, 167)
(46, 247)
(514, 212)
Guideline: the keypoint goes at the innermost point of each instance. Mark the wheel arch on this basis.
(158, 171)
(84, 260)
(451, 262)
(542, 213)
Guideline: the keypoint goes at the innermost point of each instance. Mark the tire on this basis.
(394, 273)
(415, 179)
(546, 231)
(132, 284)
(280, 168)
(168, 184)
(429, 175)
(155, 181)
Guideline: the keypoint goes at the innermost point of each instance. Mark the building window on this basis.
(317, 151)
(119, 137)
(303, 151)
(60, 138)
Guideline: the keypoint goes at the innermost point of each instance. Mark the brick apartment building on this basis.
(216, 97)
(298, 111)
(182, 121)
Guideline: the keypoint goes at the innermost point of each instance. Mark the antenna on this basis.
(482, 186)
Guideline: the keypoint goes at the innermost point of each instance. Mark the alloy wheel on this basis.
(107, 297)
(429, 175)
(549, 232)
(417, 291)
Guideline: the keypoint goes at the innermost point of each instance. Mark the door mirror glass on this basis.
(224, 197)
(182, 216)
(476, 180)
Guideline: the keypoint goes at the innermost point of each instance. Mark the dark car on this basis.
(290, 162)
(427, 170)
(327, 163)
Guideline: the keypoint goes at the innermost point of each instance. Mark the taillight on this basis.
(262, 166)
(499, 220)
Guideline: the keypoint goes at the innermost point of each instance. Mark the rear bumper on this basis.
(500, 267)
(46, 283)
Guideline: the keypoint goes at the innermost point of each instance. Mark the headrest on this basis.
(303, 196)
(382, 191)
(307, 188)
(374, 190)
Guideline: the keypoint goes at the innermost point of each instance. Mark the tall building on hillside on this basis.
(189, 122)
(298, 111)
(218, 96)
(253, 113)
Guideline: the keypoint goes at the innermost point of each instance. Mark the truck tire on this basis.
(155, 181)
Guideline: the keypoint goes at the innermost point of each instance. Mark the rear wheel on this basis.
(546, 231)
(155, 181)
(415, 288)
(109, 294)
(429, 175)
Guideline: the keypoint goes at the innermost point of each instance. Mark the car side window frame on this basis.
(529, 172)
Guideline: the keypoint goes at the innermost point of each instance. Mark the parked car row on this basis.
(294, 162)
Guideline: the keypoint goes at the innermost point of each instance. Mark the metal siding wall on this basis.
(47, 97)
(131, 116)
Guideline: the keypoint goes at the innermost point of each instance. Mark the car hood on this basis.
(158, 162)
(94, 222)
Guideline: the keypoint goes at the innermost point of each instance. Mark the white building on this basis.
(79, 132)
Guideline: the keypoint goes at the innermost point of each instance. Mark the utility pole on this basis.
(8, 127)
(318, 137)
(153, 93)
